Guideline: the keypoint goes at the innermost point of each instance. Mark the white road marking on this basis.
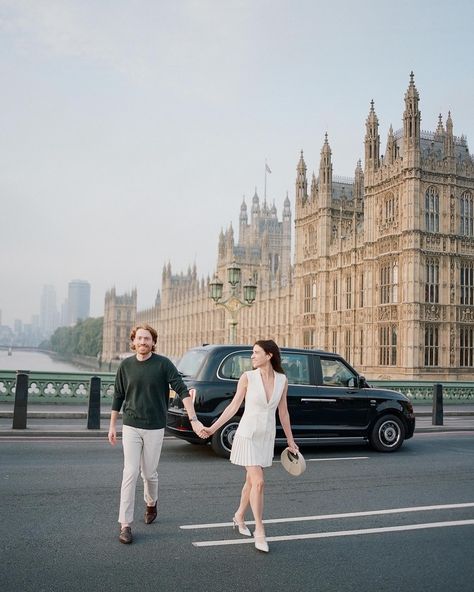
(335, 516)
(444, 433)
(338, 458)
(338, 533)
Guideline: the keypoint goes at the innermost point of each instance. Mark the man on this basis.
(142, 386)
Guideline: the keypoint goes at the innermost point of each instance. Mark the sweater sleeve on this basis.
(176, 382)
(119, 390)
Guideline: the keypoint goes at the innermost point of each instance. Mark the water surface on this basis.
(34, 361)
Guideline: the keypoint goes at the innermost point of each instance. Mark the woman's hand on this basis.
(206, 433)
(292, 446)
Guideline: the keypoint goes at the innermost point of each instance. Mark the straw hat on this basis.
(294, 464)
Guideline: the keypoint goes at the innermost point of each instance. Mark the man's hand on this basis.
(197, 427)
(112, 435)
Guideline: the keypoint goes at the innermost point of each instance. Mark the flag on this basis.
(267, 168)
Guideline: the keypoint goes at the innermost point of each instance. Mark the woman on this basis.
(264, 389)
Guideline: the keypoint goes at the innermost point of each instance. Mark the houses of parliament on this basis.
(383, 267)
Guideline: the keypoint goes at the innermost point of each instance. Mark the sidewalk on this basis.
(67, 420)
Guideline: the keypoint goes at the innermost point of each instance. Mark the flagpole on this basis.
(265, 190)
(267, 170)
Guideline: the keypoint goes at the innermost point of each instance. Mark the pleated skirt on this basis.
(254, 451)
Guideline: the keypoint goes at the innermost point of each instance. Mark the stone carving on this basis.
(432, 313)
(467, 315)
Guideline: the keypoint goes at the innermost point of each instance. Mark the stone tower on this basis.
(384, 264)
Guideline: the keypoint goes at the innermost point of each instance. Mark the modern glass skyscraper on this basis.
(79, 299)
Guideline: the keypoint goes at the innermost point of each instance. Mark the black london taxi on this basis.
(328, 401)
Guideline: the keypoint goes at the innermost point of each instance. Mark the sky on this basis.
(130, 130)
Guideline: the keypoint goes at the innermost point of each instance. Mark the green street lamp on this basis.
(250, 292)
(232, 304)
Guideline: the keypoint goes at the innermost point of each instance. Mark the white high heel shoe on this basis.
(261, 543)
(242, 527)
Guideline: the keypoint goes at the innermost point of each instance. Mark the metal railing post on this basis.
(437, 415)
(93, 412)
(21, 401)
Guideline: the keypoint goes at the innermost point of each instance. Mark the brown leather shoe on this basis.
(126, 535)
(150, 514)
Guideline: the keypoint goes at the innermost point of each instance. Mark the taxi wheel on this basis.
(221, 441)
(387, 434)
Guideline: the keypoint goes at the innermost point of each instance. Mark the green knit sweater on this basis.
(143, 389)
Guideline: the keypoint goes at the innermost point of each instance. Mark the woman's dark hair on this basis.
(270, 347)
(153, 333)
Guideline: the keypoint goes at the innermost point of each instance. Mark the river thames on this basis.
(35, 361)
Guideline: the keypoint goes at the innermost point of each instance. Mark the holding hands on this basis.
(202, 431)
(198, 427)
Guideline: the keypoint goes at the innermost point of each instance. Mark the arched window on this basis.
(388, 345)
(467, 214)
(432, 281)
(466, 279)
(389, 213)
(388, 282)
(395, 282)
(466, 349)
(432, 209)
(313, 296)
(431, 345)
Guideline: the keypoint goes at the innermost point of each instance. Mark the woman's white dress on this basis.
(254, 439)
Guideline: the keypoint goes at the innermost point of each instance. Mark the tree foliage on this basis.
(84, 339)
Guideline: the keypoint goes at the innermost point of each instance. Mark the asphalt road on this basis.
(59, 503)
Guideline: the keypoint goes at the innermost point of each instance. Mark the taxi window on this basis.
(191, 362)
(235, 365)
(296, 367)
(335, 373)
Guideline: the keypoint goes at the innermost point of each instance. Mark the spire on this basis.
(286, 207)
(221, 246)
(243, 212)
(325, 155)
(411, 126)
(372, 140)
(440, 129)
(390, 151)
(325, 174)
(449, 138)
(314, 187)
(301, 185)
(358, 184)
(255, 203)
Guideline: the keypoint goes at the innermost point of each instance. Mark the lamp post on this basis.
(232, 304)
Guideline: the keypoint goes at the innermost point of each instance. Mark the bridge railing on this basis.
(61, 387)
(422, 390)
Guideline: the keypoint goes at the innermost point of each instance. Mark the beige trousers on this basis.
(141, 452)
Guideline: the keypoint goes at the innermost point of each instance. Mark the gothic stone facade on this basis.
(384, 266)
(384, 262)
(185, 316)
(119, 318)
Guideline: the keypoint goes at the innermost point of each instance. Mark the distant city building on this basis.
(384, 262)
(78, 301)
(6, 335)
(119, 318)
(48, 317)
